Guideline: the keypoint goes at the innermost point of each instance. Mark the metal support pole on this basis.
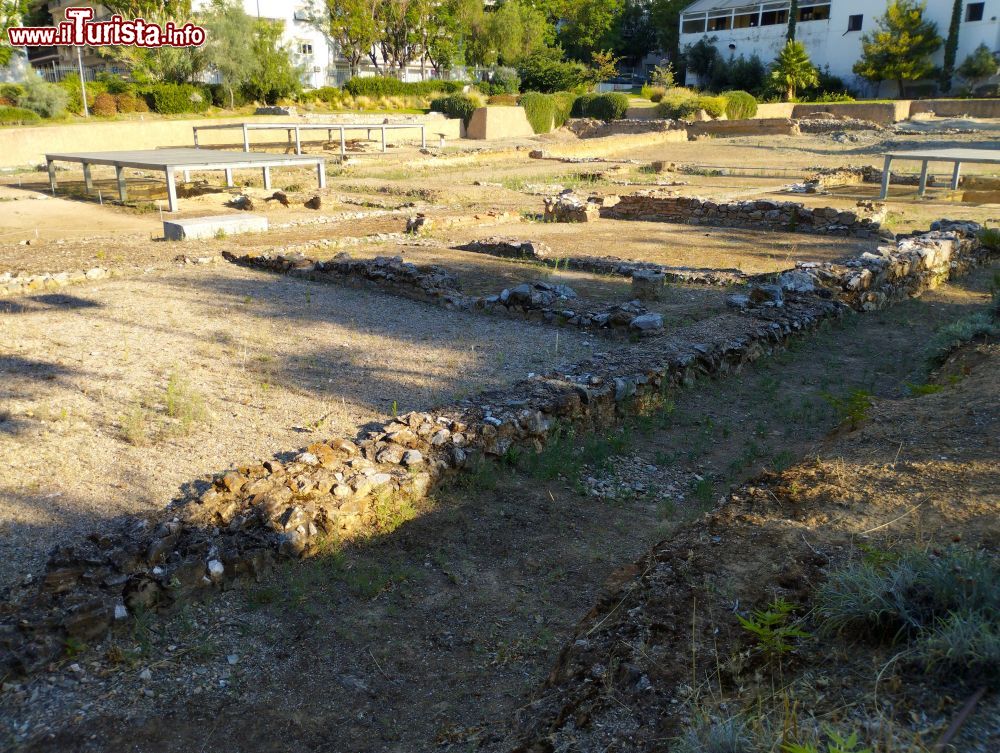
(383, 140)
(88, 183)
(229, 177)
(321, 173)
(246, 139)
(956, 174)
(298, 141)
(423, 137)
(171, 190)
(267, 177)
(923, 177)
(52, 176)
(83, 85)
(343, 143)
(120, 174)
(885, 178)
(195, 128)
(187, 176)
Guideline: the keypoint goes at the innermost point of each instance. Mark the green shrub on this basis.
(17, 116)
(125, 102)
(11, 92)
(680, 106)
(385, 86)
(503, 81)
(608, 107)
(540, 110)
(115, 84)
(967, 329)
(331, 95)
(105, 105)
(652, 93)
(455, 106)
(562, 108)
(170, 99)
(541, 72)
(507, 100)
(48, 100)
(581, 105)
(71, 86)
(740, 105)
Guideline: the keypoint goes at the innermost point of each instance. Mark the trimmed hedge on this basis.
(17, 116)
(170, 99)
(607, 107)
(455, 106)
(542, 73)
(384, 86)
(740, 105)
(681, 106)
(508, 100)
(581, 105)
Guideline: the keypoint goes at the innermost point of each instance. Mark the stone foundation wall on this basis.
(253, 515)
(12, 283)
(539, 301)
(589, 128)
(751, 127)
(862, 222)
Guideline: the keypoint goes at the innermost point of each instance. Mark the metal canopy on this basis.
(926, 156)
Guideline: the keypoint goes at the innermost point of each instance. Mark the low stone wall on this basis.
(850, 175)
(12, 283)
(953, 108)
(589, 128)
(528, 250)
(751, 127)
(568, 207)
(862, 222)
(255, 514)
(539, 301)
(883, 113)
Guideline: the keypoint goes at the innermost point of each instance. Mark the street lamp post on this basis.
(83, 83)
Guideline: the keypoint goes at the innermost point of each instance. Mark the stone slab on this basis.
(193, 228)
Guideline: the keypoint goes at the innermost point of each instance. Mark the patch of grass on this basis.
(183, 403)
(945, 606)
(956, 334)
(924, 389)
(852, 408)
(134, 425)
(390, 512)
(835, 743)
(716, 736)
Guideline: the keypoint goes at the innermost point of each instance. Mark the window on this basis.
(773, 17)
(746, 21)
(695, 26)
(974, 11)
(305, 48)
(719, 24)
(815, 13)
(854, 22)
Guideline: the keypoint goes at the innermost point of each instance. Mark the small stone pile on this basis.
(12, 283)
(568, 207)
(863, 221)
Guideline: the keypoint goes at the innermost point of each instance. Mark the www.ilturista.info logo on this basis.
(79, 30)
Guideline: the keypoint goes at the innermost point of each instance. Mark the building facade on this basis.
(831, 30)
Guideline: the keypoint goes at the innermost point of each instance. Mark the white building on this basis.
(831, 30)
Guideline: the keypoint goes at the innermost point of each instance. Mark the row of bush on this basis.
(681, 103)
(386, 86)
(543, 111)
(609, 106)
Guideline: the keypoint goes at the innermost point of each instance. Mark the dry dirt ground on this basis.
(115, 396)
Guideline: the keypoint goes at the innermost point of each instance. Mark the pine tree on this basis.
(978, 66)
(900, 48)
(793, 19)
(793, 70)
(951, 47)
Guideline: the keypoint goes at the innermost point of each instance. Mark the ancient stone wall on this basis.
(253, 515)
(12, 283)
(863, 221)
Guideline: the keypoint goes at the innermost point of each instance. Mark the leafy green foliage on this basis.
(542, 72)
(951, 45)
(170, 99)
(793, 70)
(272, 77)
(979, 65)
(740, 105)
(540, 110)
(502, 81)
(607, 107)
(48, 100)
(945, 340)
(900, 47)
(773, 628)
(835, 743)
(229, 45)
(455, 106)
(17, 116)
(652, 93)
(386, 86)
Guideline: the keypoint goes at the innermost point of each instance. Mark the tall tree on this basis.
(273, 77)
(350, 25)
(401, 31)
(585, 25)
(633, 35)
(229, 44)
(793, 20)
(793, 70)
(901, 46)
(665, 19)
(978, 66)
(951, 47)
(172, 64)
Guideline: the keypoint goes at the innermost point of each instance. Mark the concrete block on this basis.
(194, 228)
(499, 123)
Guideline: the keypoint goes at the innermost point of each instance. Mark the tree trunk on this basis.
(900, 93)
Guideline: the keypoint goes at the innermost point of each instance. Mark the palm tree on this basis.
(793, 70)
